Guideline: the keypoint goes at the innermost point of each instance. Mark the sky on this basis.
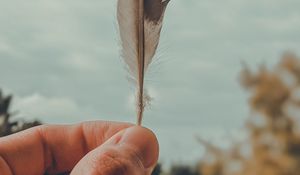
(61, 60)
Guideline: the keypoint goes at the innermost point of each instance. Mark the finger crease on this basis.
(84, 143)
(6, 166)
(48, 157)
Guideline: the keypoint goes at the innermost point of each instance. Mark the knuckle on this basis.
(41, 129)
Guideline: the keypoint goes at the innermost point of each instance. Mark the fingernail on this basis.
(144, 142)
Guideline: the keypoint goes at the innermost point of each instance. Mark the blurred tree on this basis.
(182, 170)
(157, 170)
(7, 126)
(273, 147)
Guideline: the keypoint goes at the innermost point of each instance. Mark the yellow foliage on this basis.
(274, 139)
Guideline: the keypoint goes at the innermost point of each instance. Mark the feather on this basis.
(140, 23)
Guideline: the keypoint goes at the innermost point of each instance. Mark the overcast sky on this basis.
(60, 58)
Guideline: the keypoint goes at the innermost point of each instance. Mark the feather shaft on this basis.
(141, 62)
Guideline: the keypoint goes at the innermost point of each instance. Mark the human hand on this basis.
(91, 148)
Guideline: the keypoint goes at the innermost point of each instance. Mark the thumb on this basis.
(133, 151)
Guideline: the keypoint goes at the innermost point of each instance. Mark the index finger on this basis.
(54, 149)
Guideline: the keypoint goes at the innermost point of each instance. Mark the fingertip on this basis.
(144, 142)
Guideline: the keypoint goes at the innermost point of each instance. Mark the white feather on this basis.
(139, 47)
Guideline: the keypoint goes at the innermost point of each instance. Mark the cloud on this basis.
(81, 62)
(37, 106)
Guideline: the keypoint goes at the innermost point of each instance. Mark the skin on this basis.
(92, 148)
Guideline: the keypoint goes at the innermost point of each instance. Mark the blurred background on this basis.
(61, 61)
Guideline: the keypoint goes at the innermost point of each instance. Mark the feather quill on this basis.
(140, 23)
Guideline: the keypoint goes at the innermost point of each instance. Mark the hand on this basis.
(92, 148)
